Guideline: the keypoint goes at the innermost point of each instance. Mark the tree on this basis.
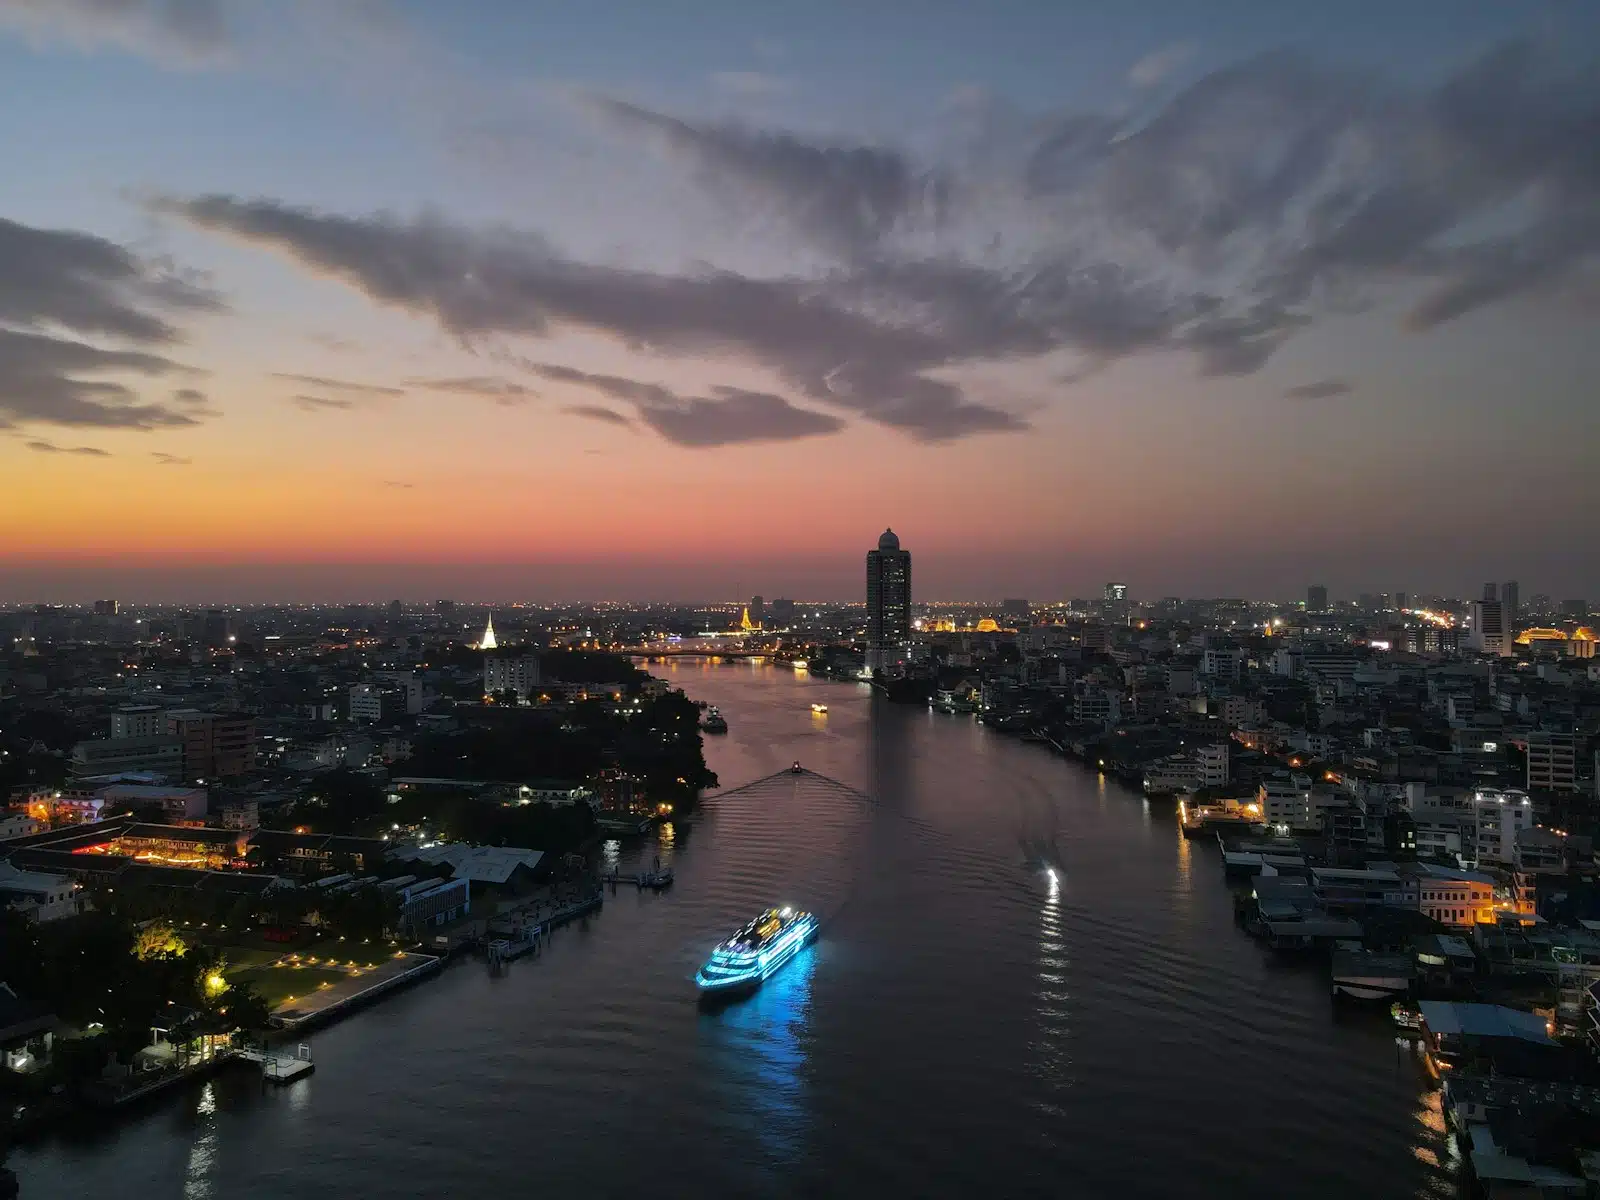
(158, 940)
(244, 1008)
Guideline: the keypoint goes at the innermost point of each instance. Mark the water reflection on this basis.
(203, 1150)
(1052, 1054)
(763, 1043)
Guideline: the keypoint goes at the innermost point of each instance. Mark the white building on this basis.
(1212, 762)
(373, 703)
(517, 673)
(39, 896)
(1491, 631)
(1552, 762)
(1206, 766)
(1501, 816)
(557, 792)
(1285, 799)
(15, 825)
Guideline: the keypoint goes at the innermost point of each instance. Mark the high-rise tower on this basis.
(888, 597)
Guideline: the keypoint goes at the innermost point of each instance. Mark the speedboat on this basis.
(756, 952)
(819, 708)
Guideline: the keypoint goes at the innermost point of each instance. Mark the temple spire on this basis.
(488, 642)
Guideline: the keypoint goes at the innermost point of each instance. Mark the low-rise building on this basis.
(176, 804)
(160, 755)
(558, 792)
(433, 902)
(319, 853)
(1455, 897)
(38, 895)
(15, 825)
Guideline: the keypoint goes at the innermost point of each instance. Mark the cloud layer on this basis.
(181, 32)
(1216, 225)
(728, 416)
(55, 284)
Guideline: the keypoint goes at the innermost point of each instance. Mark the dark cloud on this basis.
(728, 416)
(91, 286)
(57, 283)
(190, 396)
(598, 412)
(845, 196)
(51, 381)
(313, 404)
(169, 460)
(731, 416)
(51, 448)
(1322, 389)
(1219, 223)
(181, 32)
(339, 385)
(812, 335)
(490, 387)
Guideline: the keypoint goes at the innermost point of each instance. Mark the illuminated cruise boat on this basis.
(758, 950)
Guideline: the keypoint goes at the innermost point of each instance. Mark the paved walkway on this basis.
(352, 985)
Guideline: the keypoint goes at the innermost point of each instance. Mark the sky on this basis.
(350, 299)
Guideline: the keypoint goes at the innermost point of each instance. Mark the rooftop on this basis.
(481, 864)
(1484, 1020)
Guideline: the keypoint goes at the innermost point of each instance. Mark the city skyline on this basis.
(320, 302)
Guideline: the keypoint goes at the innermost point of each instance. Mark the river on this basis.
(963, 1026)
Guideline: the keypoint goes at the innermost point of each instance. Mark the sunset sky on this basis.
(502, 300)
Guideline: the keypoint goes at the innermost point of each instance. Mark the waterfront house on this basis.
(1488, 1037)
(27, 1033)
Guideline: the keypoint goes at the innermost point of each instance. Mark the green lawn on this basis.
(278, 984)
(243, 957)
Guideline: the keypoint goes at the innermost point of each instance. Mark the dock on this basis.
(512, 935)
(281, 1069)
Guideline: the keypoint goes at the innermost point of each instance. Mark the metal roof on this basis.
(1484, 1020)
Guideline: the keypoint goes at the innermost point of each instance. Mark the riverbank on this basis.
(961, 1026)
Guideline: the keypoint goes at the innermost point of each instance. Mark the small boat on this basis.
(819, 708)
(656, 878)
(1405, 1017)
(797, 769)
(756, 952)
(714, 722)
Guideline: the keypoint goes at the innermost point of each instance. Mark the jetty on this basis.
(280, 1069)
(523, 931)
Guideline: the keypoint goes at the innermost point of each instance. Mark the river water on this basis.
(963, 1026)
